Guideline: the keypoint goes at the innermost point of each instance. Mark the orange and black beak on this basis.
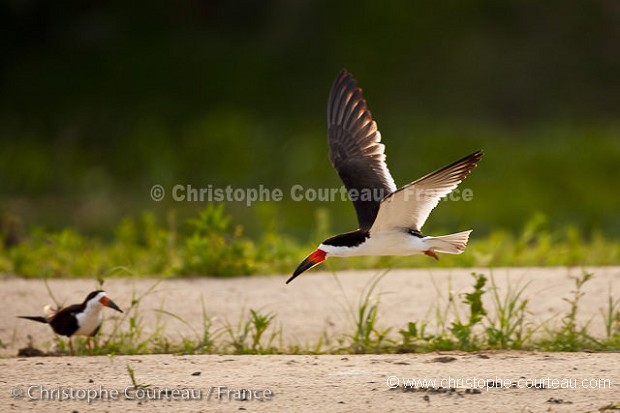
(311, 260)
(109, 303)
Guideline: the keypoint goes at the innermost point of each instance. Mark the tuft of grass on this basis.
(248, 336)
(204, 340)
(508, 328)
(132, 377)
(366, 337)
(463, 332)
(414, 338)
(611, 319)
(571, 336)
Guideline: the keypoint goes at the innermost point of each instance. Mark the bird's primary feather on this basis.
(355, 149)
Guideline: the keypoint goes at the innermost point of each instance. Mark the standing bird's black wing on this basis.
(355, 149)
(65, 322)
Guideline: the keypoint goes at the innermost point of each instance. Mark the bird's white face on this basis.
(99, 300)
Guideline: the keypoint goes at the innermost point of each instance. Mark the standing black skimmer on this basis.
(390, 219)
(78, 319)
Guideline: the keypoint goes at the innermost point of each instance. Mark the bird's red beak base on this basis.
(312, 260)
(109, 303)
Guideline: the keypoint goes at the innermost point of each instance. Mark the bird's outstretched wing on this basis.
(355, 149)
(410, 206)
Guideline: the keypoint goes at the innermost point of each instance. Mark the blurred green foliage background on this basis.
(100, 101)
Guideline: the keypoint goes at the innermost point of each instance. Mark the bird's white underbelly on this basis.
(387, 243)
(88, 321)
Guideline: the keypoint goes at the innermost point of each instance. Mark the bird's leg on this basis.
(431, 253)
(71, 347)
(89, 345)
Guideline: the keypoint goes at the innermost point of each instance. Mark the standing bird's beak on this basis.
(311, 260)
(109, 303)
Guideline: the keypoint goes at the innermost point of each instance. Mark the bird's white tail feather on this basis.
(449, 244)
(49, 311)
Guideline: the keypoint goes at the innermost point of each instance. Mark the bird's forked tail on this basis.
(449, 244)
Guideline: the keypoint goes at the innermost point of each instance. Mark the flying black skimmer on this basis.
(390, 219)
(77, 319)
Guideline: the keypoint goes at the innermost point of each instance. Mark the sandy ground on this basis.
(314, 305)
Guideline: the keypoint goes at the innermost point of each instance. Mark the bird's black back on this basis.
(64, 321)
(348, 239)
